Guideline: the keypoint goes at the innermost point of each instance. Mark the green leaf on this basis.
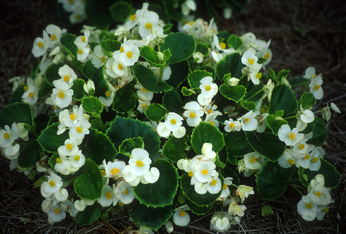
(198, 210)
(97, 124)
(307, 100)
(249, 105)
(89, 215)
(151, 217)
(17, 94)
(199, 199)
(45, 89)
(67, 42)
(101, 86)
(272, 180)
(92, 106)
(150, 55)
(16, 113)
(29, 155)
(320, 132)
(206, 133)
(203, 48)
(35, 69)
(181, 45)
(129, 144)
(155, 112)
(331, 175)
(237, 144)
(179, 73)
(282, 74)
(229, 172)
(283, 99)
(98, 147)
(148, 79)
(89, 185)
(272, 75)
(167, 28)
(230, 64)
(162, 192)
(52, 160)
(174, 149)
(266, 144)
(195, 78)
(89, 70)
(97, 12)
(124, 100)
(275, 123)
(298, 82)
(186, 92)
(234, 93)
(234, 42)
(78, 89)
(172, 101)
(49, 140)
(120, 10)
(253, 92)
(124, 128)
(52, 73)
(109, 46)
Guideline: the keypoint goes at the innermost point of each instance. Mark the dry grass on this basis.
(319, 43)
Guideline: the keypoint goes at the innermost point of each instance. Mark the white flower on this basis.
(187, 6)
(41, 45)
(114, 169)
(320, 195)
(89, 86)
(287, 160)
(169, 227)
(207, 150)
(306, 208)
(55, 34)
(130, 54)
(315, 87)
(61, 195)
(8, 135)
(152, 175)
(69, 148)
(243, 191)
(310, 73)
(61, 165)
(335, 108)
(148, 22)
(231, 125)
(53, 185)
(129, 177)
(249, 122)
(193, 113)
(76, 161)
(214, 186)
(219, 223)
(208, 88)
(108, 197)
(252, 161)
(22, 131)
(30, 95)
(67, 74)
(307, 116)
(139, 161)
(198, 56)
(80, 129)
(143, 105)
(62, 94)
(173, 121)
(289, 137)
(124, 192)
(249, 58)
(181, 217)
(80, 205)
(56, 214)
(83, 39)
(163, 131)
(202, 100)
(12, 151)
(204, 171)
(322, 210)
(82, 52)
(180, 132)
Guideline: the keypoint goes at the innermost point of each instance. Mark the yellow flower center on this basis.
(120, 67)
(139, 163)
(72, 116)
(315, 75)
(67, 78)
(212, 122)
(115, 170)
(103, 172)
(191, 23)
(53, 37)
(190, 173)
(83, 38)
(317, 87)
(301, 146)
(306, 157)
(80, 51)
(61, 94)
(291, 161)
(259, 75)
(251, 61)
(31, 94)
(318, 194)
(291, 135)
(77, 17)
(314, 160)
(182, 214)
(125, 191)
(77, 158)
(208, 88)
(247, 120)
(192, 115)
(57, 211)
(109, 195)
(253, 160)
(144, 106)
(79, 129)
(213, 182)
(129, 54)
(308, 205)
(103, 59)
(121, 49)
(224, 187)
(148, 25)
(58, 160)
(40, 45)
(325, 210)
(204, 171)
(108, 94)
(52, 183)
(69, 146)
(173, 121)
(26, 88)
(144, 90)
(133, 17)
(267, 55)
(210, 111)
(231, 125)
(223, 45)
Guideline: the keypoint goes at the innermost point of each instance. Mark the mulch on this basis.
(302, 33)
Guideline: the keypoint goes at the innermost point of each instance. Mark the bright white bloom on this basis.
(310, 73)
(262, 123)
(187, 6)
(214, 186)
(219, 222)
(307, 116)
(8, 135)
(61, 195)
(287, 159)
(207, 150)
(169, 227)
(198, 56)
(52, 186)
(320, 195)
(80, 205)
(249, 122)
(61, 165)
(41, 45)
(80, 129)
(124, 192)
(69, 148)
(139, 161)
(232, 125)
(181, 217)
(306, 208)
(143, 93)
(243, 191)
(130, 54)
(208, 88)
(253, 161)
(202, 100)
(22, 131)
(249, 58)
(114, 169)
(235, 209)
(148, 23)
(67, 74)
(83, 51)
(89, 87)
(315, 87)
(12, 151)
(289, 137)
(129, 177)
(193, 113)
(322, 210)
(83, 39)
(55, 34)
(180, 132)
(62, 94)
(76, 161)
(108, 197)
(30, 95)
(163, 131)
(56, 214)
(152, 175)
(173, 121)
(98, 58)
(204, 171)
